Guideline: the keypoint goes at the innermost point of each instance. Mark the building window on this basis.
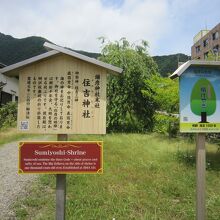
(216, 49)
(205, 42)
(5, 98)
(197, 49)
(215, 35)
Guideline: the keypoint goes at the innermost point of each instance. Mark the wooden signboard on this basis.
(62, 95)
(57, 157)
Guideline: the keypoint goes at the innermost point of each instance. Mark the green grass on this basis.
(145, 177)
(11, 134)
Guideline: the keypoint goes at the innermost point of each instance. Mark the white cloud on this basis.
(78, 23)
(166, 24)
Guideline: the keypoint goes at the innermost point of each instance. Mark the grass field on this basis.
(145, 177)
(11, 134)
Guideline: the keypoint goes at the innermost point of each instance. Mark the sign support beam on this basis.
(61, 188)
(200, 176)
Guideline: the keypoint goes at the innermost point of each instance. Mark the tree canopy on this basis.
(128, 109)
(165, 93)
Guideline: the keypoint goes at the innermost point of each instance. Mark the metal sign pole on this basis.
(200, 176)
(61, 188)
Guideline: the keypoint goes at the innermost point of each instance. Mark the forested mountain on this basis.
(168, 64)
(13, 50)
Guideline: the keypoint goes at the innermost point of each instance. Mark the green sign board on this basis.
(200, 100)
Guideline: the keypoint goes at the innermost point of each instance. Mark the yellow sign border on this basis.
(199, 128)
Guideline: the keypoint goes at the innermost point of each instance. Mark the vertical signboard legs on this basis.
(61, 188)
(200, 176)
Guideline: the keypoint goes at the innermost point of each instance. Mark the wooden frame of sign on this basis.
(62, 95)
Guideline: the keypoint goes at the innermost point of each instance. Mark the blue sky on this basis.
(113, 3)
(168, 25)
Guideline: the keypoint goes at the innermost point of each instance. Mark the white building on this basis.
(8, 88)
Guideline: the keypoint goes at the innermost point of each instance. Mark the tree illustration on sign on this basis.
(203, 99)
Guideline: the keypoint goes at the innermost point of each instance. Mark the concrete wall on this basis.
(211, 44)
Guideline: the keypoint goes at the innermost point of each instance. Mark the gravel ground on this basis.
(12, 185)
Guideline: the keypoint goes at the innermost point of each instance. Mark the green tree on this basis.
(127, 108)
(203, 99)
(165, 93)
(213, 56)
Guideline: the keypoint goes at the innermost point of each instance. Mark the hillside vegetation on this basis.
(13, 50)
(168, 64)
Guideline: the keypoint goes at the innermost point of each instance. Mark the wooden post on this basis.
(61, 188)
(200, 176)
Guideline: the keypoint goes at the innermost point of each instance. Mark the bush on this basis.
(8, 115)
(166, 124)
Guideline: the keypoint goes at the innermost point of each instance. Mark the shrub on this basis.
(8, 115)
(166, 124)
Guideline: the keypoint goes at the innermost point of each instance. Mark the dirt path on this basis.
(12, 185)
